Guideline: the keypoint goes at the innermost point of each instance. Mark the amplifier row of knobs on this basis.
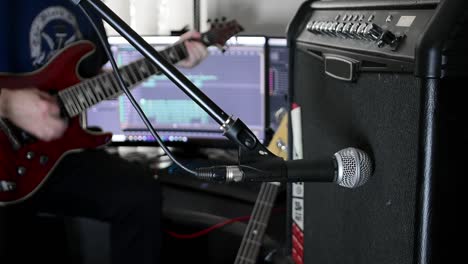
(355, 30)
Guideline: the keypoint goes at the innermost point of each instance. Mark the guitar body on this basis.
(28, 165)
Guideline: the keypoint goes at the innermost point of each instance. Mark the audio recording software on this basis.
(278, 81)
(233, 79)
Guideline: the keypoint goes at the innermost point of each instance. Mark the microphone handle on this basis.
(324, 170)
(311, 170)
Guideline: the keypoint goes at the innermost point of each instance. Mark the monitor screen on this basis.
(233, 79)
(278, 80)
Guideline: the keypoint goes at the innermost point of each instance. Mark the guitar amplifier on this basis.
(388, 77)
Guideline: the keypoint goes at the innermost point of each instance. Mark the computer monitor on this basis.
(233, 79)
(278, 79)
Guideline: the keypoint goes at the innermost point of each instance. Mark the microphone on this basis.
(350, 168)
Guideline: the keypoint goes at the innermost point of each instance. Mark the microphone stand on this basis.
(250, 148)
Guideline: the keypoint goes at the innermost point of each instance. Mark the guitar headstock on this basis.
(220, 31)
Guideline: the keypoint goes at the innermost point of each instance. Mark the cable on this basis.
(130, 97)
(214, 227)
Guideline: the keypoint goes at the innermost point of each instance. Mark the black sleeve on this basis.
(91, 66)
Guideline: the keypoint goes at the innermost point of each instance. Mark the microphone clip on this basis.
(250, 148)
(255, 162)
(259, 164)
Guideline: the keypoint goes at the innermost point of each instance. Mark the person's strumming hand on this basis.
(34, 111)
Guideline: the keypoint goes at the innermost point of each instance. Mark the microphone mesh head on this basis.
(354, 167)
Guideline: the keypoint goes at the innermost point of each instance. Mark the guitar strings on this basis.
(268, 194)
(245, 241)
(247, 232)
(258, 226)
(261, 224)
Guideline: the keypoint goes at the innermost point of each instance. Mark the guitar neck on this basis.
(83, 95)
(253, 235)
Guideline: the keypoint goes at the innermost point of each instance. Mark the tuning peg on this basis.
(223, 19)
(208, 20)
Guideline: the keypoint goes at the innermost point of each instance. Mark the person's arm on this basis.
(34, 111)
(197, 51)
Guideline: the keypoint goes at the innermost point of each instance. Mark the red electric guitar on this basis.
(25, 162)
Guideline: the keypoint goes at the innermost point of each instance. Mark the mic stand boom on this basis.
(250, 147)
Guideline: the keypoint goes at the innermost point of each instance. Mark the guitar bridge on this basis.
(7, 186)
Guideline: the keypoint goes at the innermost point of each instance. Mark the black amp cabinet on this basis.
(390, 78)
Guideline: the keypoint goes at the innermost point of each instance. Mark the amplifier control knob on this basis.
(331, 28)
(382, 37)
(339, 30)
(361, 31)
(312, 26)
(323, 28)
(373, 32)
(354, 30)
(346, 30)
(316, 27)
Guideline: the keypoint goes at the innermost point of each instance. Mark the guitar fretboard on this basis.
(85, 94)
(253, 235)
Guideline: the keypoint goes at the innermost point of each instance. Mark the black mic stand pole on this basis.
(234, 129)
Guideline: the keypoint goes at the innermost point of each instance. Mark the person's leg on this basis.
(98, 185)
(16, 234)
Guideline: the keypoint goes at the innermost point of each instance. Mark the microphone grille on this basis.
(354, 167)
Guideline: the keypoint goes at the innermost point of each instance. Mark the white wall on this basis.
(266, 17)
(148, 17)
(161, 16)
(122, 9)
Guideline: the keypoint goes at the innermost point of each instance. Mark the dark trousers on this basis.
(103, 186)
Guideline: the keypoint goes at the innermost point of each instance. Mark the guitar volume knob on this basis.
(30, 155)
(43, 160)
(21, 170)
